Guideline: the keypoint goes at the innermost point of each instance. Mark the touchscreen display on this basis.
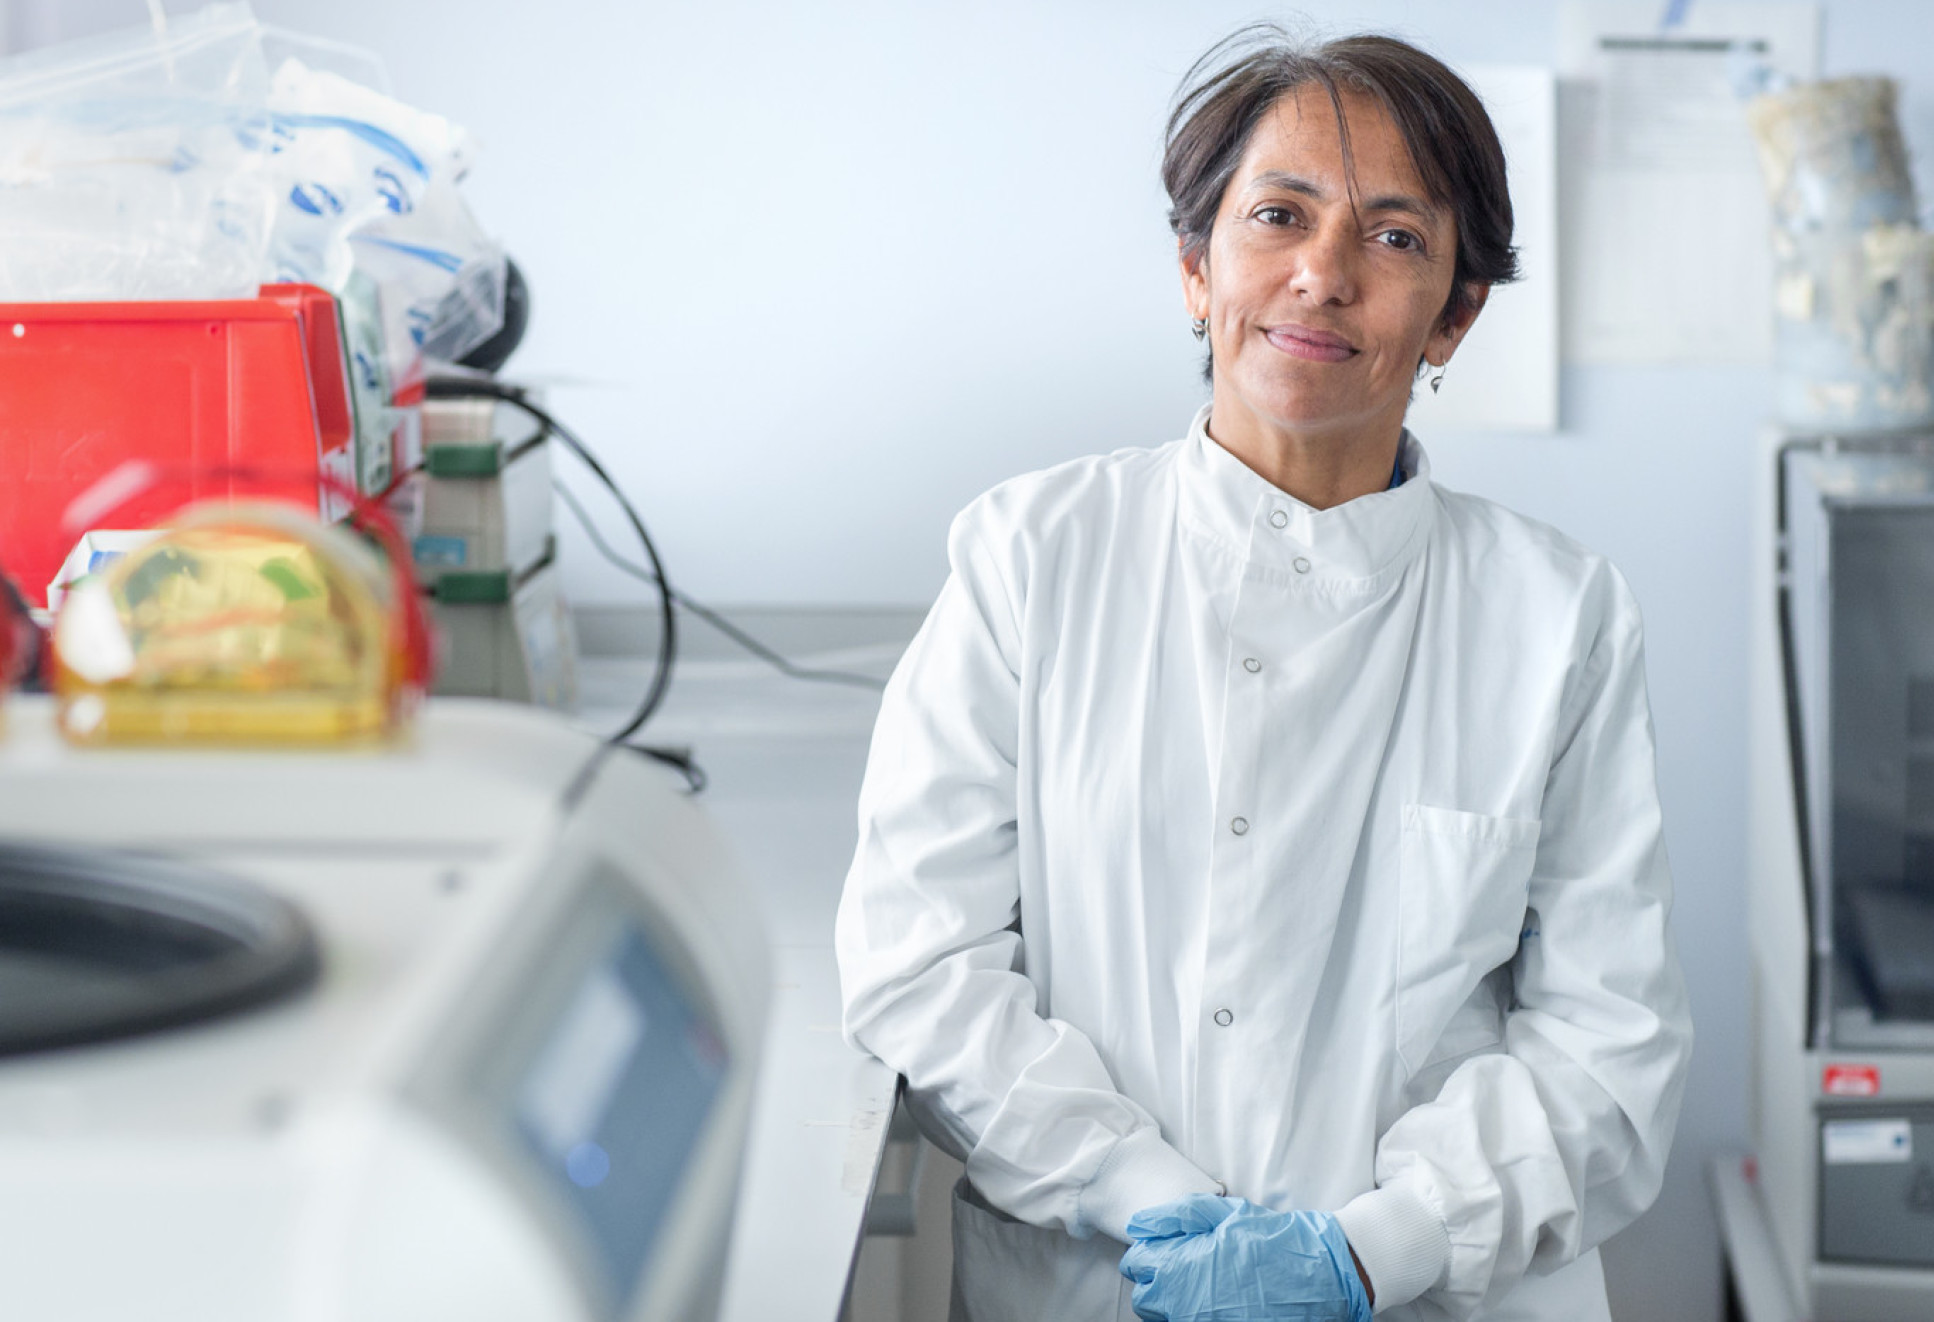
(615, 1098)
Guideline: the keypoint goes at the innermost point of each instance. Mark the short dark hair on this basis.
(1451, 140)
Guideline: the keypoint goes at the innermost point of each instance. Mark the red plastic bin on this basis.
(197, 388)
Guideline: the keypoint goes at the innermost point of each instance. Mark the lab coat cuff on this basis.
(1141, 1171)
(1403, 1245)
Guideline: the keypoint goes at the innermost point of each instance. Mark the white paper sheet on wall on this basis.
(1666, 255)
(1505, 374)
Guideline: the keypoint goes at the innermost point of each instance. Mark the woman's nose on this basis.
(1326, 265)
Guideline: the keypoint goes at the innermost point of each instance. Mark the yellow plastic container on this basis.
(239, 624)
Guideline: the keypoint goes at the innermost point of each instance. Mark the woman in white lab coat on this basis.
(1260, 861)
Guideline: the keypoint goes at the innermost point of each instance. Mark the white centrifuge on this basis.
(461, 1027)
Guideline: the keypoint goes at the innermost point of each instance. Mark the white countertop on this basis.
(784, 759)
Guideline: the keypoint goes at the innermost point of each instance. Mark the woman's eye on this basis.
(1276, 216)
(1401, 240)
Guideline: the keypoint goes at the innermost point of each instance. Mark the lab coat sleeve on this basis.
(930, 954)
(1528, 1157)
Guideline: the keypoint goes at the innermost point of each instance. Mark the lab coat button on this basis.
(1224, 1018)
(1250, 664)
(1240, 825)
(1279, 519)
(1302, 565)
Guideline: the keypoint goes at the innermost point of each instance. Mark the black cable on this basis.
(775, 659)
(681, 761)
(482, 388)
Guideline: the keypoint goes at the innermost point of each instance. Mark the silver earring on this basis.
(1437, 382)
(1200, 326)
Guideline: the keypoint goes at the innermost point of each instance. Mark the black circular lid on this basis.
(97, 945)
(494, 352)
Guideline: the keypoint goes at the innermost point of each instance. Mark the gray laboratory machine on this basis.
(485, 554)
(1842, 881)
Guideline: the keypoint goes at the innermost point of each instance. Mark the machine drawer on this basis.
(1877, 1186)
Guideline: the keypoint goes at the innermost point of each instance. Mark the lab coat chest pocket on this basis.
(1464, 879)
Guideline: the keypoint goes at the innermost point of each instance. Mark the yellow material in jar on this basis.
(240, 624)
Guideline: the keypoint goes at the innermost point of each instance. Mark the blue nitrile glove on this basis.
(1208, 1259)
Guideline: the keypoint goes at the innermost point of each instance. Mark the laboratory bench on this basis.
(1755, 1289)
(783, 761)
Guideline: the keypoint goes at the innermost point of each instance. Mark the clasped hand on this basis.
(1205, 1258)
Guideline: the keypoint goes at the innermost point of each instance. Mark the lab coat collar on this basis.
(1360, 539)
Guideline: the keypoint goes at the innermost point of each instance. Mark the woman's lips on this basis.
(1307, 342)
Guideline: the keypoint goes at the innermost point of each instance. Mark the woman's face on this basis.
(1321, 298)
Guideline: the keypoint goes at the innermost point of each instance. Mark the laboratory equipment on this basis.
(486, 554)
(239, 622)
(1842, 882)
(487, 496)
(509, 638)
(97, 946)
(517, 1089)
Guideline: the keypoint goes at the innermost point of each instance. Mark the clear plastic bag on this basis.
(171, 164)
(1854, 271)
(370, 184)
(136, 165)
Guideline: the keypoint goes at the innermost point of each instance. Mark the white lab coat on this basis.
(1210, 837)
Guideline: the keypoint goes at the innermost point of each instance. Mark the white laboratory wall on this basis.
(811, 276)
